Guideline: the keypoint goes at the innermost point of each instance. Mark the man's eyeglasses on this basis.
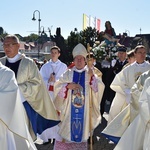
(9, 45)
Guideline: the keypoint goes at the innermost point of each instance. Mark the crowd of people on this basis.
(49, 110)
(65, 104)
(129, 111)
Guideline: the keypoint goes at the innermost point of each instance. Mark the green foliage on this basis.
(31, 38)
(90, 35)
(2, 33)
(1, 30)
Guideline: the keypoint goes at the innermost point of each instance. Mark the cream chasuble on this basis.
(33, 89)
(63, 105)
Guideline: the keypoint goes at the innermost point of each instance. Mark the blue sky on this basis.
(127, 15)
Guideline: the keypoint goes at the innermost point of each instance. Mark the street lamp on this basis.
(140, 30)
(39, 30)
(42, 30)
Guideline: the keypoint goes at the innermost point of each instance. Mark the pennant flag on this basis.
(98, 22)
(89, 21)
(86, 21)
(92, 22)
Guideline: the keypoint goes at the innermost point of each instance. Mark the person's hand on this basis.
(73, 86)
(52, 78)
(90, 72)
(89, 62)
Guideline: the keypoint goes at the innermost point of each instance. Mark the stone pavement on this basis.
(100, 142)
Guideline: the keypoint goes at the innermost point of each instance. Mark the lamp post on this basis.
(39, 30)
(42, 30)
(140, 30)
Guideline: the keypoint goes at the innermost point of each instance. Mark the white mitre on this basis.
(79, 50)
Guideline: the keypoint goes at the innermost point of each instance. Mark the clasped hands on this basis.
(73, 86)
(52, 78)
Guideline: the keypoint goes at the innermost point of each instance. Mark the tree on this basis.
(1, 31)
(60, 42)
(90, 35)
(31, 38)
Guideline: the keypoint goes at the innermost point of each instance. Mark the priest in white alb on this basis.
(14, 134)
(51, 72)
(124, 81)
(119, 117)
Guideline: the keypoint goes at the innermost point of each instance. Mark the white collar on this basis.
(141, 65)
(81, 70)
(56, 62)
(14, 59)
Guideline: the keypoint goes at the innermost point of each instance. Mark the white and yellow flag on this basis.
(86, 21)
(89, 21)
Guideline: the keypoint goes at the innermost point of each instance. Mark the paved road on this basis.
(100, 142)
